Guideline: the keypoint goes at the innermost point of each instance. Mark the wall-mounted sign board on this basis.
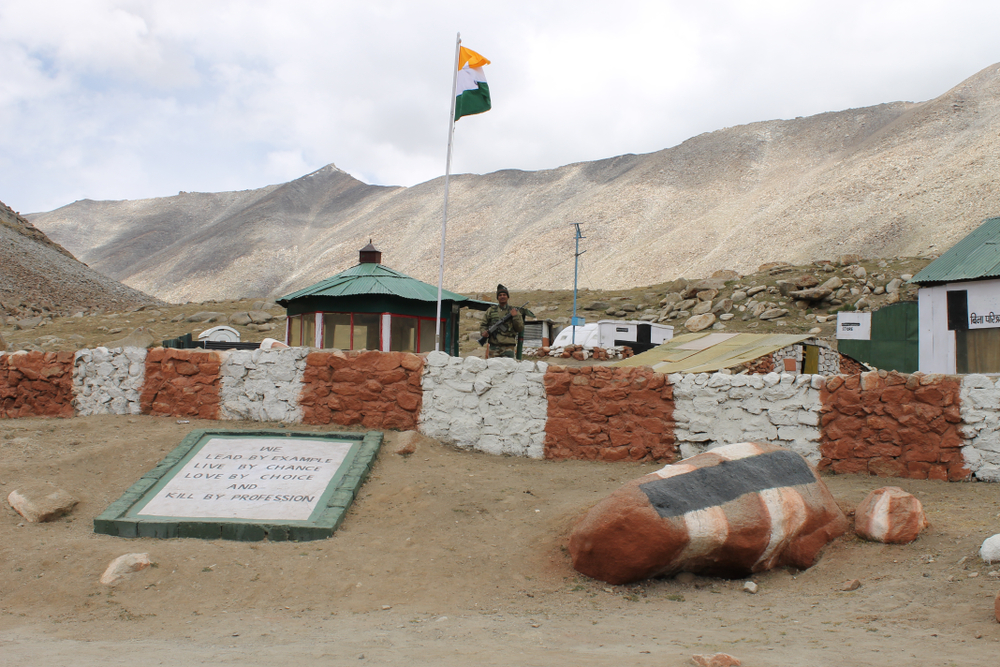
(246, 485)
(853, 325)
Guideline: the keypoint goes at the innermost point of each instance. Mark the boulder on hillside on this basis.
(806, 280)
(678, 285)
(812, 294)
(773, 313)
(889, 515)
(699, 322)
(772, 265)
(701, 285)
(598, 305)
(141, 338)
(727, 512)
(205, 316)
(707, 294)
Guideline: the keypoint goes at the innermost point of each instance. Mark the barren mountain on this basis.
(894, 179)
(37, 275)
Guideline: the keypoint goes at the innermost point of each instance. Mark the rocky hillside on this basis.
(898, 179)
(39, 278)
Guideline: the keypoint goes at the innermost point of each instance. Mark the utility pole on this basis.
(576, 271)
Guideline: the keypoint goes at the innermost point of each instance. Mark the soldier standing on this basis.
(503, 342)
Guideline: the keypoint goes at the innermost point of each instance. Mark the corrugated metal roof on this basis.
(709, 352)
(975, 257)
(367, 279)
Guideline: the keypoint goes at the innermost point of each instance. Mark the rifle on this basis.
(499, 323)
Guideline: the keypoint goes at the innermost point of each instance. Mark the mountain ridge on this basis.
(899, 178)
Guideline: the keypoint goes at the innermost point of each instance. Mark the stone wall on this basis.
(980, 410)
(495, 405)
(109, 381)
(36, 384)
(379, 390)
(181, 383)
(889, 424)
(263, 385)
(609, 414)
(720, 409)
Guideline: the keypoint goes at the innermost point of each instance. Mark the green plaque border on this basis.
(120, 520)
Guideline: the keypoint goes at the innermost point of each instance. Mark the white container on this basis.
(628, 330)
(586, 335)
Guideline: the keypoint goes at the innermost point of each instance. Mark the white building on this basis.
(959, 301)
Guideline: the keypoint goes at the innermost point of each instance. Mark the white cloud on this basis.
(136, 98)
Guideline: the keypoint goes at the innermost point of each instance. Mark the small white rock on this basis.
(750, 587)
(124, 565)
(990, 551)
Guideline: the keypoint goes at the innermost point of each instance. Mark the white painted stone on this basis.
(782, 409)
(123, 566)
(102, 380)
(990, 550)
(980, 411)
(497, 405)
(262, 385)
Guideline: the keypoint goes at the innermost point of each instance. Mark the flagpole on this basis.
(447, 175)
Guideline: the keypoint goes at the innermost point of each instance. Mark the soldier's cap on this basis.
(501, 288)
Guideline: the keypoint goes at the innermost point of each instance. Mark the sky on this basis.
(131, 99)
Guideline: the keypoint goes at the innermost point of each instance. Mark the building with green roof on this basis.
(959, 305)
(370, 306)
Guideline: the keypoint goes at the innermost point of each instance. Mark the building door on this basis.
(810, 359)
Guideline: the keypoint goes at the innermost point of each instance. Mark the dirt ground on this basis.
(456, 558)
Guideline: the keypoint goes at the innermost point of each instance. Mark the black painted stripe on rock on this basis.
(719, 484)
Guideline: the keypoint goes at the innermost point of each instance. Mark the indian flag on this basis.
(472, 92)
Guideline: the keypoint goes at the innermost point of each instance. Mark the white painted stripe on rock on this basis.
(787, 510)
(878, 524)
(707, 529)
(741, 450)
(675, 469)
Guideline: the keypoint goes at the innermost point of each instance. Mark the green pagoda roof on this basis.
(975, 257)
(368, 279)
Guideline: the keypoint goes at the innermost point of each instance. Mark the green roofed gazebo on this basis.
(370, 306)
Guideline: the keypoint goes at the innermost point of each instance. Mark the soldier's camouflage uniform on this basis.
(503, 343)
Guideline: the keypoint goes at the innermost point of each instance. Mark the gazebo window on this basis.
(351, 331)
(412, 334)
(302, 330)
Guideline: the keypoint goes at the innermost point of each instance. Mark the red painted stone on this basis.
(720, 528)
(889, 515)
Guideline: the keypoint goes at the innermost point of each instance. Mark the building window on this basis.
(366, 331)
(412, 334)
(337, 331)
(351, 331)
(427, 335)
(309, 330)
(302, 330)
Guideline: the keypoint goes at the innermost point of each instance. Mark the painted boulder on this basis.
(889, 515)
(727, 512)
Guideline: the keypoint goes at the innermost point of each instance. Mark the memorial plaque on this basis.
(246, 485)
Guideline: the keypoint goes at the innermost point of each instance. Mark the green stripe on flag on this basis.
(473, 101)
